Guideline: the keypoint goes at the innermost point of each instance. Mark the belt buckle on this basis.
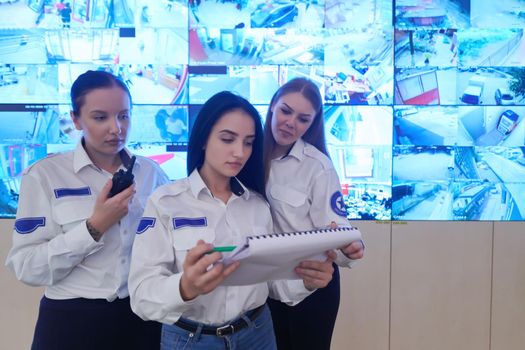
(220, 330)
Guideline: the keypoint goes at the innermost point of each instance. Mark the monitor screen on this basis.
(424, 100)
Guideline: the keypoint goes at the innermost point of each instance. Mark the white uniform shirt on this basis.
(176, 217)
(305, 194)
(51, 244)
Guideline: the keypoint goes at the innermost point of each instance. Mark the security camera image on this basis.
(423, 100)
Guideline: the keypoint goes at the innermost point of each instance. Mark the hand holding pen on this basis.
(198, 278)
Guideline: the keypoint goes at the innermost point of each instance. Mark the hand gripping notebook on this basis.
(275, 256)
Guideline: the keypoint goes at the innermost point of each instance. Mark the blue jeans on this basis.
(257, 336)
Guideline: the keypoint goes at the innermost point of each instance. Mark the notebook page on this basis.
(274, 256)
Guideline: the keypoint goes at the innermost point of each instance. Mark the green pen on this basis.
(227, 248)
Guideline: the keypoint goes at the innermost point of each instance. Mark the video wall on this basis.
(423, 99)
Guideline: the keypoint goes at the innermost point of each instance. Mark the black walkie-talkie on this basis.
(122, 179)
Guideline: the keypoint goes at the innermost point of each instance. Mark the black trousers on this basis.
(310, 324)
(92, 324)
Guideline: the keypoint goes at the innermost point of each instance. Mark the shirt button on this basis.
(123, 261)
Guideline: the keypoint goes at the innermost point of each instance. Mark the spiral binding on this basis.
(300, 233)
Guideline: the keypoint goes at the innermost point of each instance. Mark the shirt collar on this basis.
(297, 150)
(81, 158)
(197, 185)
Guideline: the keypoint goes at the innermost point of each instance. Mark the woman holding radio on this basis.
(72, 237)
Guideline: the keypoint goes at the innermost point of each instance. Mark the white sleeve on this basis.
(153, 278)
(328, 205)
(42, 254)
(290, 292)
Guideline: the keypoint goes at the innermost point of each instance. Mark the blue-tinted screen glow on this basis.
(424, 99)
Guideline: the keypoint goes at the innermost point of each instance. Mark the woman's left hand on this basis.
(355, 250)
(316, 274)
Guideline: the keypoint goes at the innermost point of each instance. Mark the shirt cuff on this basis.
(344, 261)
(175, 305)
(297, 288)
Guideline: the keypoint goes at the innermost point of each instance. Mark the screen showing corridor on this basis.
(424, 100)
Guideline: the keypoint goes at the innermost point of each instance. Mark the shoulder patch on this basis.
(144, 224)
(28, 225)
(337, 204)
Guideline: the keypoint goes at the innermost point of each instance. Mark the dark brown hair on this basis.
(213, 110)
(315, 133)
(92, 80)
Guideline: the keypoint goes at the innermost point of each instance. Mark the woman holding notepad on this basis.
(176, 273)
(304, 192)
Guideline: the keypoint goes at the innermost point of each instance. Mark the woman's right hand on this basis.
(109, 211)
(197, 278)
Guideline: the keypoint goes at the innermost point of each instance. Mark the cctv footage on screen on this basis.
(424, 100)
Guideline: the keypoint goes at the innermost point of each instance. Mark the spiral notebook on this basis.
(274, 256)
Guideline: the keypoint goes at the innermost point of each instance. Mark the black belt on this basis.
(222, 330)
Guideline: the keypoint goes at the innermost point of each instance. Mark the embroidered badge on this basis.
(28, 225)
(144, 224)
(193, 222)
(338, 204)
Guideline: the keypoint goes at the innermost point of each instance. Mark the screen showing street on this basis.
(424, 100)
